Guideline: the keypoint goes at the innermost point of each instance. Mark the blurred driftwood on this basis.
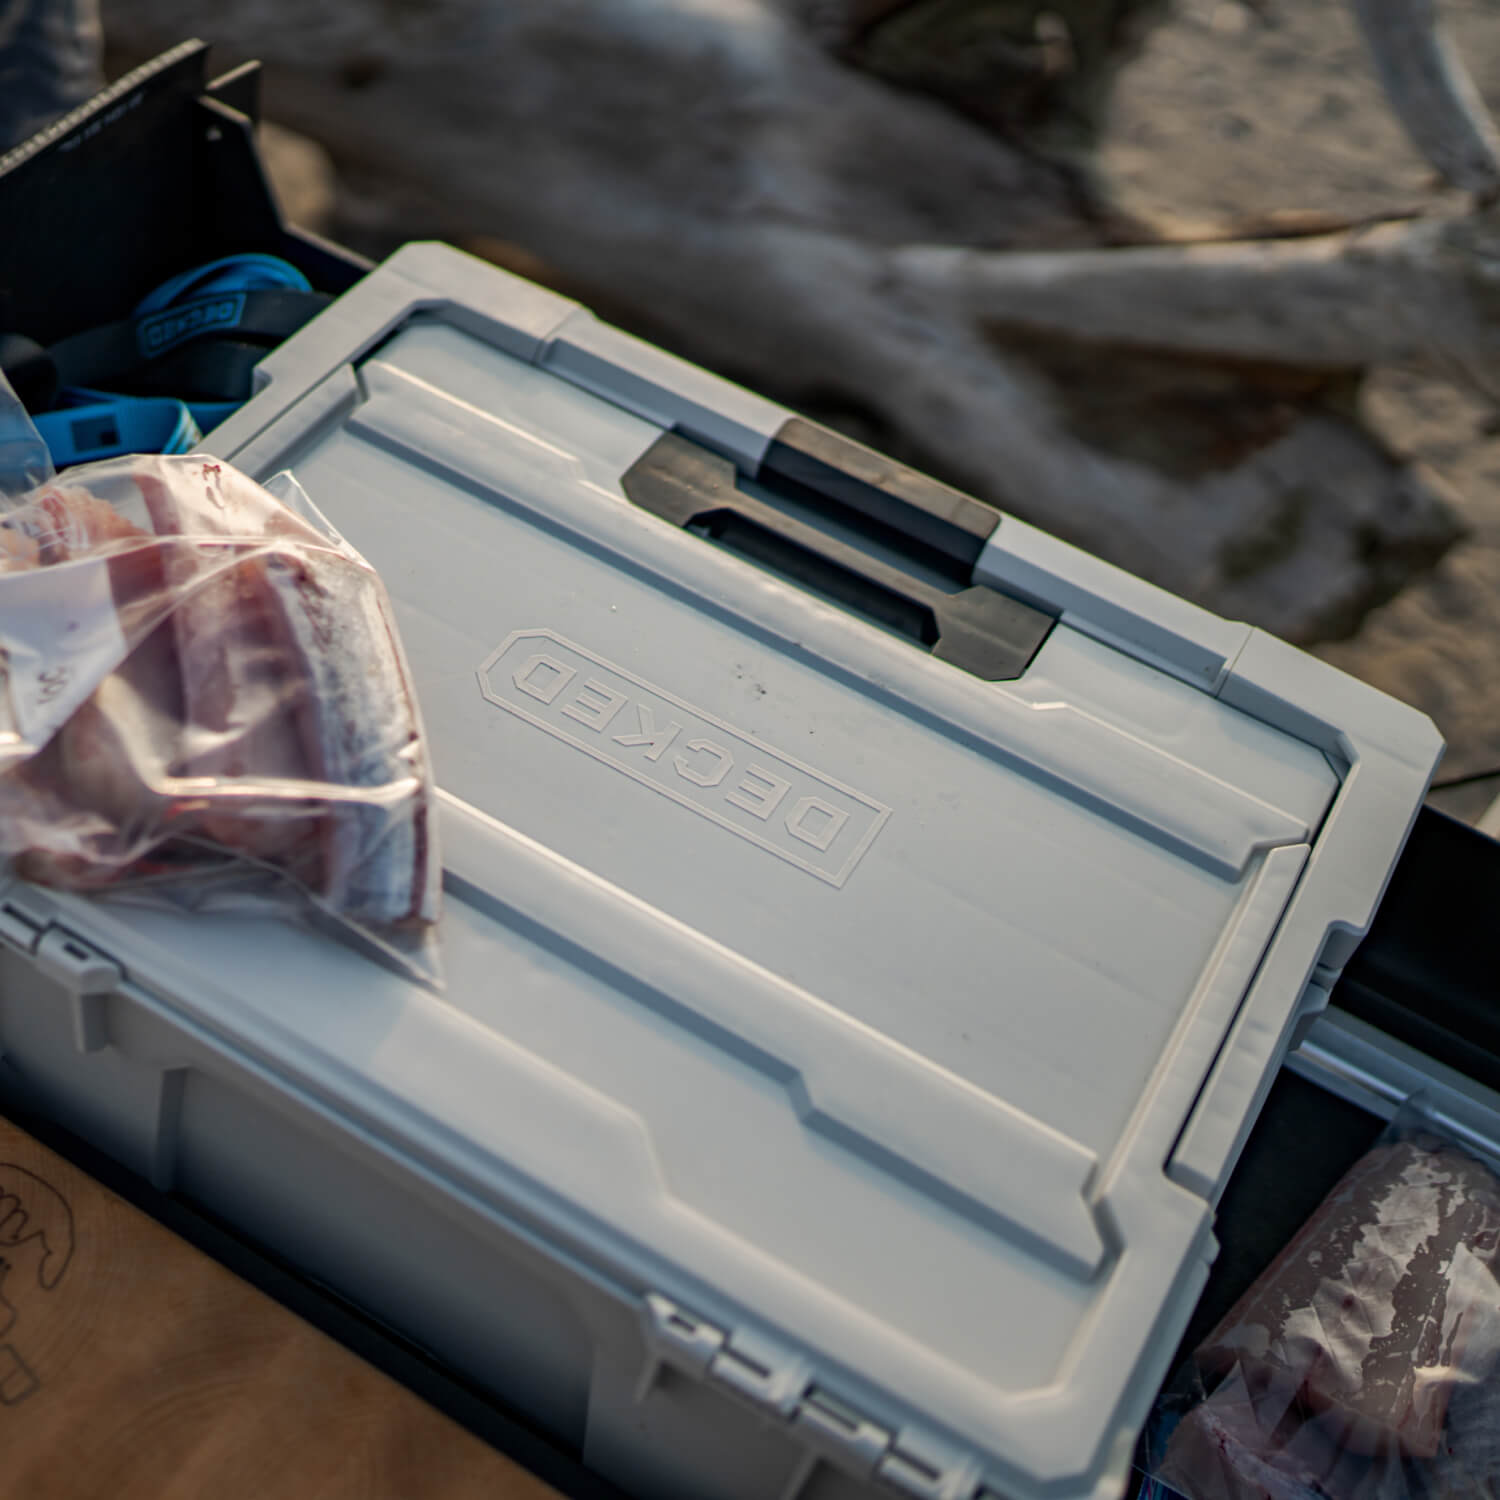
(735, 180)
(1432, 93)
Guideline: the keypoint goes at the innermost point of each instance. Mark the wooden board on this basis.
(134, 1367)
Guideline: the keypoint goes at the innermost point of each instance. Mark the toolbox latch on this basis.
(680, 1338)
(833, 1429)
(918, 1468)
(758, 1370)
(76, 964)
(770, 1376)
(87, 975)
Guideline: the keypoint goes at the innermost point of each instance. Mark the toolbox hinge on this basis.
(762, 1372)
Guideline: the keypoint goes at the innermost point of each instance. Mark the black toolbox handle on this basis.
(975, 628)
(933, 516)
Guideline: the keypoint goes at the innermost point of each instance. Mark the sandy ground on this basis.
(1224, 116)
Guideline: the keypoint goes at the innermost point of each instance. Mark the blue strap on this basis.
(92, 424)
(234, 273)
(121, 424)
(131, 348)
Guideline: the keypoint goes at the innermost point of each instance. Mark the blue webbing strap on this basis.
(105, 427)
(202, 332)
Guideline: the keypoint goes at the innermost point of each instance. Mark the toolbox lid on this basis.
(880, 1019)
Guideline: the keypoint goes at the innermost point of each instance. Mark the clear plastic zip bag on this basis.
(1364, 1363)
(205, 701)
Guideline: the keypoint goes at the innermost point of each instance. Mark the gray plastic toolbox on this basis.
(871, 928)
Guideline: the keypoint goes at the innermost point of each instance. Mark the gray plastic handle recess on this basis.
(983, 632)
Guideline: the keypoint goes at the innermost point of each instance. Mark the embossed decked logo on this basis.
(737, 781)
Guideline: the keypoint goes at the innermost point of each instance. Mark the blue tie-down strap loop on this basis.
(113, 425)
(234, 273)
(205, 328)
